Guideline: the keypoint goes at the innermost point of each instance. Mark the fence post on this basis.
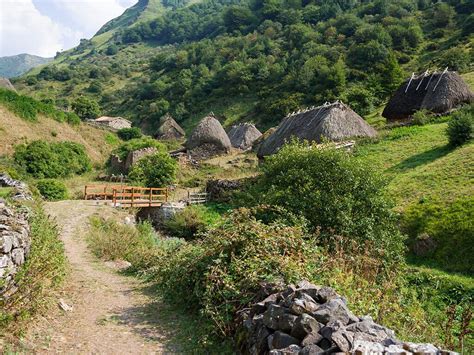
(133, 195)
(85, 192)
(114, 197)
(151, 193)
(166, 195)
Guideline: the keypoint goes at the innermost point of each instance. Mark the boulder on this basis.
(333, 310)
(281, 340)
(304, 325)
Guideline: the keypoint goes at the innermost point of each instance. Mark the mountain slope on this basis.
(17, 65)
(256, 60)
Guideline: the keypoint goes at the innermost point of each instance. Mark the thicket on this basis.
(43, 272)
(191, 222)
(29, 108)
(156, 170)
(52, 190)
(127, 134)
(41, 159)
(336, 193)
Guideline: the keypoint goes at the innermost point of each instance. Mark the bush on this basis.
(191, 222)
(157, 170)
(460, 127)
(420, 118)
(136, 144)
(222, 273)
(52, 190)
(41, 159)
(129, 133)
(85, 108)
(336, 192)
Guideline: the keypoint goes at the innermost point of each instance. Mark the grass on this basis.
(5, 192)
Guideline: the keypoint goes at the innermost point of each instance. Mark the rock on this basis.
(325, 294)
(261, 340)
(64, 306)
(312, 338)
(396, 350)
(305, 304)
(271, 317)
(292, 349)
(325, 344)
(282, 340)
(421, 348)
(4, 261)
(286, 322)
(333, 310)
(304, 325)
(18, 256)
(261, 306)
(311, 350)
(343, 339)
(370, 331)
(6, 243)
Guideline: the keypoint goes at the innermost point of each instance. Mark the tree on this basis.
(86, 108)
(127, 134)
(157, 170)
(112, 49)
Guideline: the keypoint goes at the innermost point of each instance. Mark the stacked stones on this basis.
(14, 235)
(307, 319)
(220, 190)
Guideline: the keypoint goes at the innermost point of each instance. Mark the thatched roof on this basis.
(6, 84)
(243, 135)
(258, 142)
(335, 122)
(210, 135)
(169, 129)
(436, 92)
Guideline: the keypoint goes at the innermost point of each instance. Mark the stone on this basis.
(18, 256)
(343, 339)
(367, 347)
(325, 344)
(371, 331)
(311, 350)
(261, 306)
(64, 306)
(4, 261)
(304, 325)
(421, 348)
(305, 304)
(424, 245)
(286, 322)
(330, 328)
(396, 350)
(312, 338)
(6, 243)
(261, 339)
(282, 340)
(272, 315)
(325, 294)
(334, 310)
(292, 349)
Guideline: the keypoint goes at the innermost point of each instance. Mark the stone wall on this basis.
(136, 155)
(221, 190)
(14, 234)
(308, 319)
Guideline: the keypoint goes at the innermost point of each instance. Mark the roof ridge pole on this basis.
(444, 72)
(424, 76)
(411, 79)
(429, 81)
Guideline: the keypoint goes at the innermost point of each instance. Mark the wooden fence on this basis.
(127, 196)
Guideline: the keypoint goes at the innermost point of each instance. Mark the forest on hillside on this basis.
(273, 56)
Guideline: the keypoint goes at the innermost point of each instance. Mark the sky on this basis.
(44, 27)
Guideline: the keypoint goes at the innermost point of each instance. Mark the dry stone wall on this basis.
(307, 319)
(14, 234)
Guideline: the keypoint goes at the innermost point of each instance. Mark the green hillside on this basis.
(256, 60)
(17, 65)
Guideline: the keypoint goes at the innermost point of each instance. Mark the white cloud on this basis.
(43, 27)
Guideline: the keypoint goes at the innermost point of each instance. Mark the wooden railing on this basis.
(127, 196)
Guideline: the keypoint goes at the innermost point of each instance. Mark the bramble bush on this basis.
(41, 159)
(129, 133)
(334, 192)
(52, 190)
(156, 170)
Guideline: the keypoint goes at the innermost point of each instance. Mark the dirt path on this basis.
(111, 313)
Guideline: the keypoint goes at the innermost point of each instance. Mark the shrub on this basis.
(460, 127)
(85, 108)
(41, 159)
(420, 117)
(129, 133)
(157, 170)
(336, 192)
(52, 190)
(136, 144)
(223, 272)
(191, 222)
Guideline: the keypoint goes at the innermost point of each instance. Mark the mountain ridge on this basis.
(16, 65)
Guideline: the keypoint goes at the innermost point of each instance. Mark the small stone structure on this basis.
(220, 190)
(136, 155)
(157, 215)
(307, 319)
(14, 234)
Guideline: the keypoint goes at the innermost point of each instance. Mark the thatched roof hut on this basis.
(169, 129)
(6, 84)
(243, 135)
(334, 122)
(436, 92)
(208, 139)
(258, 142)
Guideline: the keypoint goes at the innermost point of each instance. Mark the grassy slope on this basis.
(14, 130)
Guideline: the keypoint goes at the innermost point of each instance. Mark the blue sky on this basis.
(43, 27)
